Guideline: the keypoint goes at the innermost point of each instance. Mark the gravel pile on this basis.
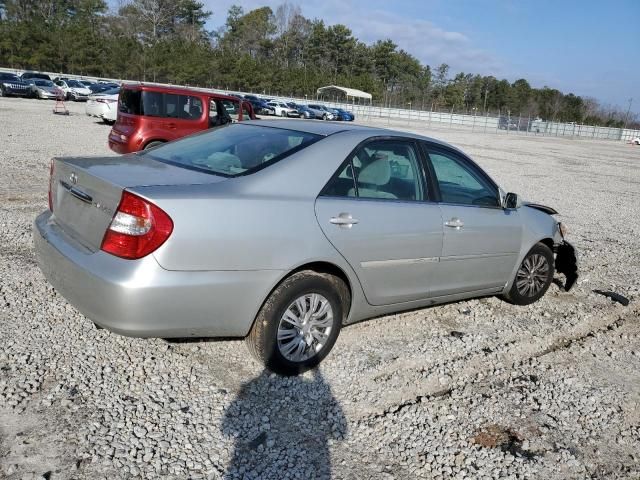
(475, 389)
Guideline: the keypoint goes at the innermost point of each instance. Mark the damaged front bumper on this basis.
(567, 263)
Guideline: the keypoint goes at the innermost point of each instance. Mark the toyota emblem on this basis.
(73, 177)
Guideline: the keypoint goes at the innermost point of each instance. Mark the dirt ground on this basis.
(473, 389)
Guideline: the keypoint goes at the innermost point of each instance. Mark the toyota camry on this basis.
(282, 232)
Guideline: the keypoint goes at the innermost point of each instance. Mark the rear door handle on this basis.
(170, 125)
(455, 222)
(344, 220)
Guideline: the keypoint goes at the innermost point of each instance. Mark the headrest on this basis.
(377, 172)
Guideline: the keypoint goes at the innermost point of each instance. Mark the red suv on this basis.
(149, 115)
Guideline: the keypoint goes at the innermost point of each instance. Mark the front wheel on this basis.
(283, 113)
(299, 323)
(533, 276)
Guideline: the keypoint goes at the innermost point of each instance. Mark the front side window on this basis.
(381, 169)
(461, 182)
(234, 149)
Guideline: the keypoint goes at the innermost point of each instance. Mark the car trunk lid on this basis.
(86, 192)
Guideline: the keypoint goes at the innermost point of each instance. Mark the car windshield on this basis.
(112, 91)
(43, 83)
(234, 149)
(74, 84)
(9, 76)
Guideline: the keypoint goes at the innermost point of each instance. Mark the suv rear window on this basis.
(159, 104)
(233, 150)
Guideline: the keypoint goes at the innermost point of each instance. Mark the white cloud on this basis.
(426, 41)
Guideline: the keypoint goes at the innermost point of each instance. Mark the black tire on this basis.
(2, 92)
(109, 122)
(325, 117)
(283, 113)
(531, 291)
(152, 144)
(262, 340)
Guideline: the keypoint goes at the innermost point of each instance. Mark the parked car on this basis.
(11, 84)
(149, 115)
(104, 105)
(281, 109)
(320, 111)
(514, 123)
(73, 89)
(87, 83)
(43, 89)
(29, 75)
(344, 115)
(303, 110)
(202, 236)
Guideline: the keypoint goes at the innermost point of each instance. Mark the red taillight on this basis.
(50, 186)
(137, 229)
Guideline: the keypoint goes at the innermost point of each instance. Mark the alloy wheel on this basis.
(305, 327)
(532, 275)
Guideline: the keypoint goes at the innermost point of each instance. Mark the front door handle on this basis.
(455, 222)
(344, 220)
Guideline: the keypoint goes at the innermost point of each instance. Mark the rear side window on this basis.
(382, 170)
(158, 104)
(234, 149)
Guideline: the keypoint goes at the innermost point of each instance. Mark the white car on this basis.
(635, 141)
(104, 105)
(73, 89)
(281, 109)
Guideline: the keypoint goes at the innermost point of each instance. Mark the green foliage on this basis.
(262, 51)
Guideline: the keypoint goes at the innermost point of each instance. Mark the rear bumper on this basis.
(141, 299)
(118, 145)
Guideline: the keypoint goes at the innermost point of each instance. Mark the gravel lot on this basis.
(474, 389)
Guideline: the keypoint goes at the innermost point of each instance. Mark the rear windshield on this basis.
(9, 76)
(159, 104)
(233, 150)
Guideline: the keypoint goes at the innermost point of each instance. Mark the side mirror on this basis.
(510, 201)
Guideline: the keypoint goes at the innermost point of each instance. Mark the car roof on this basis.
(329, 128)
(176, 90)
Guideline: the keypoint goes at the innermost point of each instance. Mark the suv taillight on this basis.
(51, 167)
(138, 228)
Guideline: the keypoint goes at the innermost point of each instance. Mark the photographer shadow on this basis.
(282, 427)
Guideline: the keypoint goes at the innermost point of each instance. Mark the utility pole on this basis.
(626, 118)
(486, 91)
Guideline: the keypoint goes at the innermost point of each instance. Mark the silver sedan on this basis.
(284, 231)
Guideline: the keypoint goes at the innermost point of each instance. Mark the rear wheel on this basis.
(2, 92)
(152, 144)
(533, 276)
(299, 323)
(325, 117)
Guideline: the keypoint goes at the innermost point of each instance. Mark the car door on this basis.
(481, 239)
(377, 212)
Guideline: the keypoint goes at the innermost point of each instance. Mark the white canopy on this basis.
(348, 92)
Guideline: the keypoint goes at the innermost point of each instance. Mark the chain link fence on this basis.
(397, 117)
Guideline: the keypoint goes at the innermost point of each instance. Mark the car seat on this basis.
(373, 176)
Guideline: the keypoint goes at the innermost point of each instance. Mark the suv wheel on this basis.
(299, 322)
(533, 276)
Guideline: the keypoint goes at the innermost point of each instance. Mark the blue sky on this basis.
(588, 47)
